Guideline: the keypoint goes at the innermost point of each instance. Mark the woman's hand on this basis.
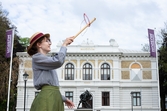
(69, 103)
(68, 41)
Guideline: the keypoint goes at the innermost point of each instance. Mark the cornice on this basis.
(98, 55)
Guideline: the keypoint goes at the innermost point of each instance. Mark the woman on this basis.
(44, 75)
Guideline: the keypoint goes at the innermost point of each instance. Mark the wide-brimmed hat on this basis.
(35, 37)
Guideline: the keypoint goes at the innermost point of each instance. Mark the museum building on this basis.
(117, 79)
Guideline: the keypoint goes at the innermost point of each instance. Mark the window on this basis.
(105, 72)
(87, 71)
(136, 98)
(136, 73)
(69, 95)
(69, 71)
(105, 98)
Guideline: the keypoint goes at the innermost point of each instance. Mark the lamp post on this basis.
(132, 100)
(25, 78)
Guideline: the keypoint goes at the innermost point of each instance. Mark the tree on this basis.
(145, 47)
(163, 68)
(24, 41)
(162, 63)
(5, 24)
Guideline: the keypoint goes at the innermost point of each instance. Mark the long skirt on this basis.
(48, 99)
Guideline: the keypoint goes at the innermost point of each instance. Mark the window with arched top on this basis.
(87, 71)
(135, 72)
(105, 71)
(69, 71)
(135, 66)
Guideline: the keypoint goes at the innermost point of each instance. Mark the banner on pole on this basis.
(152, 42)
(9, 34)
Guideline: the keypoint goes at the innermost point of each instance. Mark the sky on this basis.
(126, 21)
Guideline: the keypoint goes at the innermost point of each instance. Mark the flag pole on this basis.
(159, 99)
(154, 53)
(11, 59)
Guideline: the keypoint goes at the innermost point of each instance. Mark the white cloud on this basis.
(126, 21)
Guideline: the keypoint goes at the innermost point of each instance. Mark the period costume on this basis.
(45, 77)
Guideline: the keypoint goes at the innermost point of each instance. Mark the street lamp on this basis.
(132, 100)
(25, 78)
